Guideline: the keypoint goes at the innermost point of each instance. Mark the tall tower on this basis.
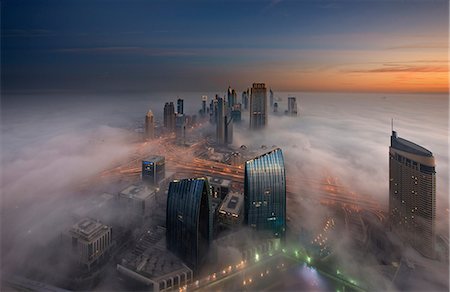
(220, 122)
(265, 193)
(412, 194)
(149, 128)
(271, 97)
(169, 116)
(258, 106)
(180, 106)
(292, 106)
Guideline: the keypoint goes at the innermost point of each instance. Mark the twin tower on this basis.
(189, 213)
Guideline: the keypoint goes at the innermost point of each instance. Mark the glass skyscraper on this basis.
(412, 194)
(265, 193)
(188, 220)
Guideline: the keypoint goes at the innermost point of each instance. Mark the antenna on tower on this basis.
(392, 124)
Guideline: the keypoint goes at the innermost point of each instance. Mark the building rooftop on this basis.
(138, 192)
(408, 146)
(232, 203)
(154, 158)
(88, 229)
(219, 181)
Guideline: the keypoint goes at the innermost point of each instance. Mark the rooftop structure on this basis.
(90, 241)
(138, 199)
(230, 211)
(219, 187)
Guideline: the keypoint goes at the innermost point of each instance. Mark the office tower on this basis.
(189, 220)
(153, 169)
(213, 110)
(236, 113)
(220, 122)
(275, 107)
(91, 241)
(169, 116)
(137, 202)
(232, 97)
(149, 128)
(245, 100)
(203, 111)
(271, 98)
(180, 106)
(292, 106)
(258, 106)
(228, 133)
(412, 194)
(265, 193)
(180, 128)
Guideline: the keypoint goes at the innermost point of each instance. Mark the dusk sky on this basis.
(139, 46)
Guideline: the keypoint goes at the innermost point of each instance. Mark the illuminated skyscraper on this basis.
(169, 116)
(189, 220)
(153, 169)
(149, 127)
(265, 193)
(258, 106)
(412, 194)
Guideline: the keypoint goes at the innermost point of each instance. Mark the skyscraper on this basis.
(292, 106)
(412, 194)
(149, 128)
(220, 122)
(189, 220)
(258, 106)
(245, 100)
(180, 106)
(265, 193)
(180, 128)
(204, 110)
(153, 169)
(169, 116)
(271, 97)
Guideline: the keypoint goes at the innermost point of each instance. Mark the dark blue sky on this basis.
(138, 46)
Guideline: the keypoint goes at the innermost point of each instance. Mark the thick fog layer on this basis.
(50, 145)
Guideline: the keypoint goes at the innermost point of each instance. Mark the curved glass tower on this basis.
(412, 194)
(265, 193)
(189, 225)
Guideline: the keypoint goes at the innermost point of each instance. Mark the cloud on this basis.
(392, 68)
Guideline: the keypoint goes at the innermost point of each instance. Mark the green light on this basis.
(256, 257)
(308, 259)
(284, 250)
(296, 253)
(337, 272)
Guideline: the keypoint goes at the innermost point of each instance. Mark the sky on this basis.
(298, 45)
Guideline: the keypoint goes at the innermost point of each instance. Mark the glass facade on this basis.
(265, 193)
(188, 220)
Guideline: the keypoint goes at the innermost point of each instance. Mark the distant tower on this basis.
(232, 97)
(180, 106)
(258, 106)
(292, 106)
(204, 102)
(412, 194)
(149, 125)
(271, 98)
(169, 116)
(245, 100)
(180, 128)
(220, 122)
(275, 107)
(265, 193)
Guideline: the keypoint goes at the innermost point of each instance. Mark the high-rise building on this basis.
(220, 122)
(213, 110)
(271, 98)
(204, 110)
(232, 97)
(228, 125)
(265, 193)
(153, 169)
(91, 241)
(180, 106)
(189, 220)
(258, 106)
(292, 106)
(245, 100)
(412, 194)
(169, 116)
(180, 128)
(275, 107)
(149, 127)
(236, 114)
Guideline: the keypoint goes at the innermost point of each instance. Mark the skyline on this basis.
(359, 46)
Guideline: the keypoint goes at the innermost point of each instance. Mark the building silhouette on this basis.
(245, 95)
(149, 128)
(180, 106)
(412, 194)
(153, 169)
(258, 106)
(265, 193)
(189, 220)
(292, 106)
(169, 116)
(271, 97)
